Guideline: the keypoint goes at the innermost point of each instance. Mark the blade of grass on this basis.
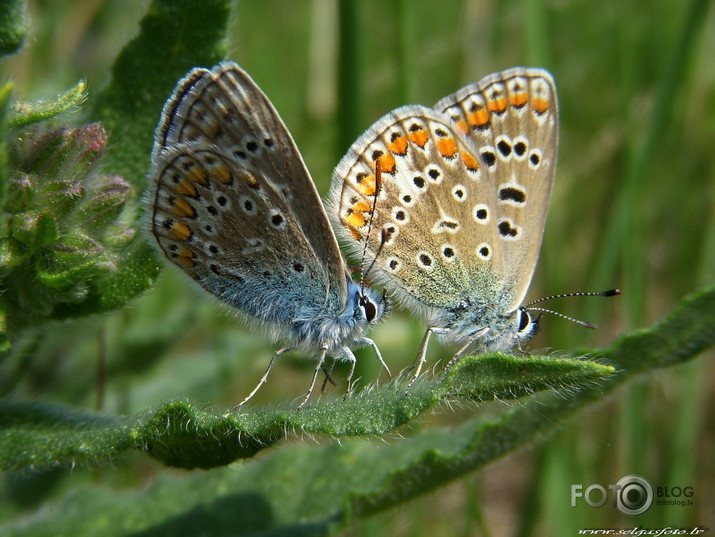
(350, 75)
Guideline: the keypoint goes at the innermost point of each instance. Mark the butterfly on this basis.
(233, 205)
(464, 190)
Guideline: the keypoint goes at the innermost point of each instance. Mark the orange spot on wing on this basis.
(462, 126)
(356, 220)
(181, 207)
(251, 180)
(362, 206)
(387, 163)
(469, 161)
(366, 186)
(418, 137)
(398, 146)
(447, 147)
(497, 105)
(186, 262)
(197, 174)
(518, 99)
(180, 231)
(540, 105)
(222, 173)
(186, 258)
(478, 118)
(185, 188)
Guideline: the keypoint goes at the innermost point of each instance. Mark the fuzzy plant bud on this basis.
(61, 221)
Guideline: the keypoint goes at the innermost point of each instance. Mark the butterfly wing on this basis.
(235, 206)
(235, 234)
(511, 118)
(434, 205)
(464, 192)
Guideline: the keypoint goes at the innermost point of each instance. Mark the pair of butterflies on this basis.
(449, 202)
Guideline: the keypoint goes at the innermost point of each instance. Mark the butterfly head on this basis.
(367, 306)
(526, 326)
(506, 332)
(523, 323)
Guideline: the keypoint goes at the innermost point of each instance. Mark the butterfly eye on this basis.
(368, 307)
(524, 320)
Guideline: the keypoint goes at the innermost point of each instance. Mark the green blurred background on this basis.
(633, 207)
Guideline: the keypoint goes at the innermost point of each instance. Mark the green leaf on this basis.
(12, 26)
(174, 36)
(106, 198)
(70, 262)
(52, 197)
(179, 434)
(33, 231)
(307, 490)
(5, 93)
(30, 112)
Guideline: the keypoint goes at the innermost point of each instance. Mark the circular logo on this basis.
(634, 495)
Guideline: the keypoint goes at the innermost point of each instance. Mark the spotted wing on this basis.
(235, 233)
(511, 118)
(435, 205)
(223, 108)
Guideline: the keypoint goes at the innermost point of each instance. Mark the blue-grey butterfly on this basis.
(234, 206)
(464, 189)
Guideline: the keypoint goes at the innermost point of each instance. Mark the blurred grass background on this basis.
(633, 207)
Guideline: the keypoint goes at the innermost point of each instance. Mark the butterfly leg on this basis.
(422, 354)
(321, 361)
(328, 378)
(368, 341)
(264, 377)
(457, 355)
(348, 354)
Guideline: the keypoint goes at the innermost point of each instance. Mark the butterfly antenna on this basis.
(577, 321)
(610, 292)
(383, 237)
(383, 240)
(528, 307)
